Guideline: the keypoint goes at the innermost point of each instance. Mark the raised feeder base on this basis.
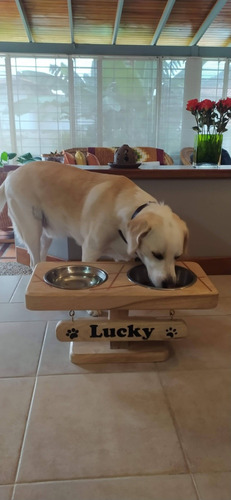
(106, 352)
(121, 337)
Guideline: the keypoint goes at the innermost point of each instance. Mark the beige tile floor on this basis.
(113, 432)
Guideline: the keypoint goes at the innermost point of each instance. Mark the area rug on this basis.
(13, 268)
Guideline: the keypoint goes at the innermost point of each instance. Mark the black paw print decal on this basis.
(73, 333)
(171, 332)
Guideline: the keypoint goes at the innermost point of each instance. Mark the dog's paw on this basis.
(95, 313)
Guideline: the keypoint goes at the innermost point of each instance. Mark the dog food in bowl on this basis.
(139, 276)
(75, 277)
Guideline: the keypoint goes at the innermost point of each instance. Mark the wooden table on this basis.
(120, 337)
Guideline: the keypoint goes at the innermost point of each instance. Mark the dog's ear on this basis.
(186, 237)
(185, 231)
(137, 229)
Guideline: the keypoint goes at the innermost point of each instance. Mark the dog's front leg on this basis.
(90, 254)
(45, 242)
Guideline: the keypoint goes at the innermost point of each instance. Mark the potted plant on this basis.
(5, 157)
(27, 158)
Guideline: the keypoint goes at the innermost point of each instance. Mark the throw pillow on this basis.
(80, 158)
(69, 159)
(92, 159)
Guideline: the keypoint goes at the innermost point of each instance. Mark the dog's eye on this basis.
(158, 256)
(177, 257)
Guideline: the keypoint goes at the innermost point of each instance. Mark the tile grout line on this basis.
(29, 413)
(186, 459)
(25, 433)
(99, 478)
(42, 349)
(195, 486)
(15, 288)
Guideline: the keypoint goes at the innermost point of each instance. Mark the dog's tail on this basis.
(2, 196)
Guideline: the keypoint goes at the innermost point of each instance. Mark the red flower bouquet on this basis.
(211, 117)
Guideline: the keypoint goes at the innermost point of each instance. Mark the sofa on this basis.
(186, 156)
(96, 156)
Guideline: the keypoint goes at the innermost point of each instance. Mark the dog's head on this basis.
(158, 237)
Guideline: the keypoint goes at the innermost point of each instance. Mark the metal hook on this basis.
(172, 313)
(72, 314)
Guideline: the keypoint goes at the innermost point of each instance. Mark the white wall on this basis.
(205, 205)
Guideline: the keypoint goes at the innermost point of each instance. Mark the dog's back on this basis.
(52, 199)
(107, 215)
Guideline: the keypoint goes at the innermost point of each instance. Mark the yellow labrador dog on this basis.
(108, 215)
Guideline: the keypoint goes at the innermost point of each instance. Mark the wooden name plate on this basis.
(132, 329)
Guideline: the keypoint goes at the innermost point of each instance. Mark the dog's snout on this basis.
(168, 283)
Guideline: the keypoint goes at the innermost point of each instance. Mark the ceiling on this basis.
(136, 27)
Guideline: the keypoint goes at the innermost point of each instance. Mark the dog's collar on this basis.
(137, 211)
(122, 236)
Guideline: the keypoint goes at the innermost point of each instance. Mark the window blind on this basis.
(52, 103)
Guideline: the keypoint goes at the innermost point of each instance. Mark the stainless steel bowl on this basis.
(75, 277)
(139, 276)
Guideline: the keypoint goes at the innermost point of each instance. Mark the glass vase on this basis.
(207, 150)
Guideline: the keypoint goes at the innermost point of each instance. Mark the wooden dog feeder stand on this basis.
(120, 337)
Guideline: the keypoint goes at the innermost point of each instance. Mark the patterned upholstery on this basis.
(106, 155)
(185, 155)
